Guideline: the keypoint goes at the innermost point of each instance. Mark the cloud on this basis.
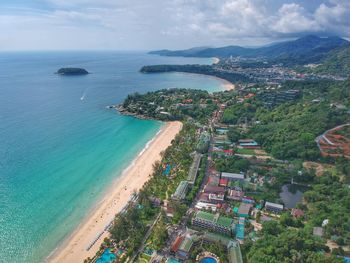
(292, 18)
(138, 24)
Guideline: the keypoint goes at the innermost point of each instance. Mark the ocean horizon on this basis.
(61, 148)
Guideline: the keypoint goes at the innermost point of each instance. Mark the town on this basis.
(222, 189)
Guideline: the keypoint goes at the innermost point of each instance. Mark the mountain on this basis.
(308, 49)
(336, 62)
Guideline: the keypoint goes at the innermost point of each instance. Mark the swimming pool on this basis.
(208, 260)
(106, 257)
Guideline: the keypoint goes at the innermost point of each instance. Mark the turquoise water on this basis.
(208, 260)
(58, 153)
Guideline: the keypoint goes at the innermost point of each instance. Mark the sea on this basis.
(61, 147)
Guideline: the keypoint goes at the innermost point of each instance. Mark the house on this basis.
(244, 210)
(297, 213)
(232, 176)
(273, 207)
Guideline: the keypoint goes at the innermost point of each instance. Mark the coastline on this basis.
(93, 227)
(227, 85)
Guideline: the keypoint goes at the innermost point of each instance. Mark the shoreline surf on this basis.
(92, 230)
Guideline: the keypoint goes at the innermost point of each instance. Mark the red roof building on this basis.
(176, 244)
(297, 213)
(223, 182)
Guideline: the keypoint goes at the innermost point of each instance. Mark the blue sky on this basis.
(154, 24)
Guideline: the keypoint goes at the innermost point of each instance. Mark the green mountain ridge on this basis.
(307, 49)
(336, 62)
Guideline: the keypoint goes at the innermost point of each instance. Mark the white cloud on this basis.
(292, 18)
(167, 23)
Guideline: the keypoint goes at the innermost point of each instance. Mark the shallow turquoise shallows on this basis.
(60, 147)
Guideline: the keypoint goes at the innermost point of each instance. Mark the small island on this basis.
(72, 71)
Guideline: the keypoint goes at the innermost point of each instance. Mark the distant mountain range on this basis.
(308, 49)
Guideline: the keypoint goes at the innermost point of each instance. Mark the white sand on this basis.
(74, 248)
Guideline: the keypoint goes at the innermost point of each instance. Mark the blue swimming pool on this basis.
(106, 257)
(208, 260)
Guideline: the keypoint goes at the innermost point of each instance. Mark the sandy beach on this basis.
(74, 249)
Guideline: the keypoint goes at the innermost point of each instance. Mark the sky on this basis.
(170, 24)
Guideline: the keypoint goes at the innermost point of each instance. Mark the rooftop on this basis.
(225, 221)
(274, 205)
(244, 208)
(181, 190)
(232, 176)
(205, 216)
(186, 244)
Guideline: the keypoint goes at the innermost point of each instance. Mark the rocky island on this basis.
(72, 71)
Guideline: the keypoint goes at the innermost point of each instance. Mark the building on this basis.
(232, 176)
(248, 200)
(211, 198)
(234, 253)
(235, 195)
(248, 144)
(218, 190)
(181, 191)
(273, 207)
(192, 174)
(213, 222)
(185, 248)
(240, 229)
(297, 213)
(223, 182)
(244, 210)
(176, 244)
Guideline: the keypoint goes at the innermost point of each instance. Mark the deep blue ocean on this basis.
(60, 147)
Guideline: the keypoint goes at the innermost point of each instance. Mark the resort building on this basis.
(192, 174)
(232, 176)
(213, 222)
(181, 191)
(273, 207)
